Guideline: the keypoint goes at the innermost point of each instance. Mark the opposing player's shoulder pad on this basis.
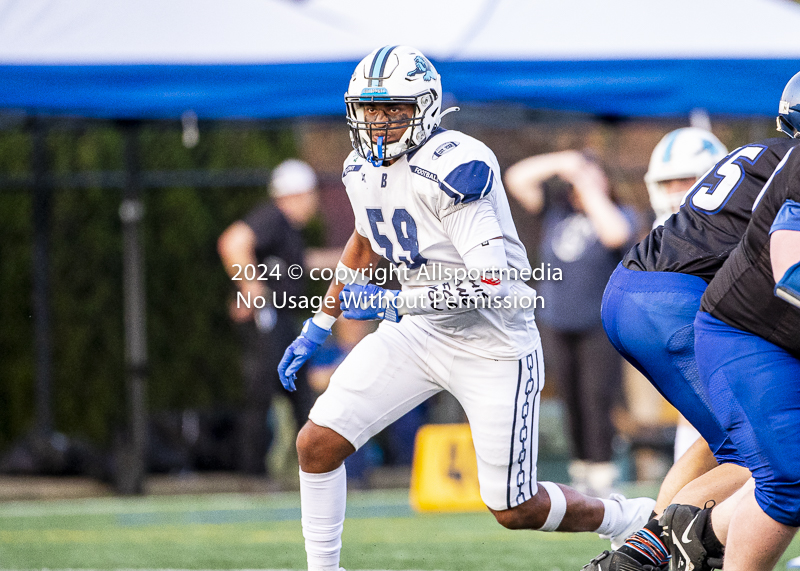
(352, 164)
(465, 167)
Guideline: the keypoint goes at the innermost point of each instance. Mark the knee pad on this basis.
(558, 506)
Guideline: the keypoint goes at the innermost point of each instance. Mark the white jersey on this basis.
(424, 212)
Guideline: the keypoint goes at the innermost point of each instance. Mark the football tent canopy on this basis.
(153, 59)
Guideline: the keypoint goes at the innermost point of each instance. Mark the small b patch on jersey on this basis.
(442, 149)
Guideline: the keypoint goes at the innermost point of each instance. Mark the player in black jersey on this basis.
(748, 354)
(648, 311)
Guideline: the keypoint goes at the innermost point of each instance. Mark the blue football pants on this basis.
(649, 318)
(755, 391)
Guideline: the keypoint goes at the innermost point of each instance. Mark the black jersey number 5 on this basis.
(729, 175)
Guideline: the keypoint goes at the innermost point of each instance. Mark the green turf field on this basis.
(263, 532)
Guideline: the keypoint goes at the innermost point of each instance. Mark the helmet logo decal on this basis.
(707, 146)
(423, 67)
(668, 151)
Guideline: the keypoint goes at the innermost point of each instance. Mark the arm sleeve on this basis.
(472, 225)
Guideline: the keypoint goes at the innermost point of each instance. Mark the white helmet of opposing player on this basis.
(393, 74)
(684, 153)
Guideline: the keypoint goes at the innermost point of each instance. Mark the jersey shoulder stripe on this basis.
(468, 182)
(463, 167)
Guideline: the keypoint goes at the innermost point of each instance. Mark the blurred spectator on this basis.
(346, 334)
(268, 241)
(679, 159)
(585, 235)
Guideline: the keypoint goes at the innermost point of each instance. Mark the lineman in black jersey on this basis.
(648, 310)
(654, 294)
(698, 239)
(748, 355)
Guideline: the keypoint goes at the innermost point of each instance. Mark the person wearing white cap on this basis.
(255, 250)
(293, 190)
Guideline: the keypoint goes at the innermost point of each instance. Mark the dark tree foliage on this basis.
(192, 349)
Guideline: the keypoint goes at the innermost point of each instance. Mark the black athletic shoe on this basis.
(616, 561)
(683, 527)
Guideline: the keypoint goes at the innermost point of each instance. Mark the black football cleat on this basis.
(616, 561)
(683, 528)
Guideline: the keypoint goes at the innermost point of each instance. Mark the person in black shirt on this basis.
(255, 250)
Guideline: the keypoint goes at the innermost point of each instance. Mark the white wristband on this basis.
(323, 320)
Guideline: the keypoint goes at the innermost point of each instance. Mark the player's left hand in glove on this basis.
(364, 302)
(299, 352)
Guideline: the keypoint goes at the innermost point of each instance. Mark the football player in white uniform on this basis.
(431, 201)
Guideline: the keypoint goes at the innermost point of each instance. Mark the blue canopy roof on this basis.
(278, 58)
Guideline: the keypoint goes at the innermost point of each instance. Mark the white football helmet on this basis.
(684, 153)
(397, 74)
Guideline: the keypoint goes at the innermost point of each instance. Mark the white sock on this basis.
(322, 505)
(612, 518)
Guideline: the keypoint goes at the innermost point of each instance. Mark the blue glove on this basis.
(369, 302)
(299, 351)
(788, 288)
